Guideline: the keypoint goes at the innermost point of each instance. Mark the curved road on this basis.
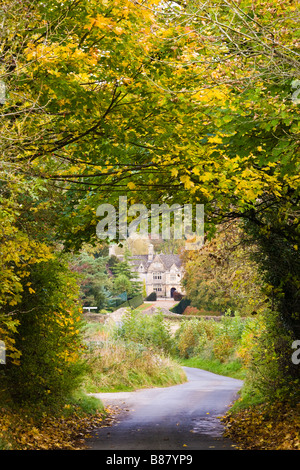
(181, 417)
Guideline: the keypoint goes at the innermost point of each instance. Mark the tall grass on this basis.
(116, 365)
(143, 352)
(135, 354)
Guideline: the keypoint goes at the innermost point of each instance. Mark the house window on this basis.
(157, 289)
(156, 276)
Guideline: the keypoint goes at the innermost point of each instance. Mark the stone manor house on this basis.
(161, 273)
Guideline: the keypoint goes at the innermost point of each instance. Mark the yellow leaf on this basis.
(215, 140)
(188, 183)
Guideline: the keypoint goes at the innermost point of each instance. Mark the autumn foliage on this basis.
(189, 102)
(265, 427)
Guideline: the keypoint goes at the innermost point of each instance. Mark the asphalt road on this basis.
(181, 417)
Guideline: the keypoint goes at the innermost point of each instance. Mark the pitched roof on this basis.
(138, 259)
(167, 260)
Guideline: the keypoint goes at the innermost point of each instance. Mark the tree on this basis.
(257, 134)
(125, 279)
(122, 284)
(221, 71)
(50, 366)
(181, 103)
(222, 275)
(114, 108)
(95, 282)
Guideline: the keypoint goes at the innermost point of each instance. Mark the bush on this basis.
(271, 372)
(232, 325)
(223, 347)
(177, 296)
(136, 301)
(152, 297)
(179, 308)
(200, 311)
(210, 339)
(48, 337)
(148, 330)
(191, 311)
(193, 336)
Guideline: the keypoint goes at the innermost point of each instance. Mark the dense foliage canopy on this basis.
(159, 101)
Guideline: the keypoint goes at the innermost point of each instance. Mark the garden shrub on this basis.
(177, 296)
(181, 306)
(191, 311)
(152, 297)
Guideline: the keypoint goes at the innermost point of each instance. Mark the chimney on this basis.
(150, 252)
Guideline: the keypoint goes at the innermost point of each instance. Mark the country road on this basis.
(181, 417)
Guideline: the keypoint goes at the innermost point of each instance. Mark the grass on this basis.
(133, 357)
(144, 307)
(84, 405)
(119, 366)
(94, 331)
(232, 369)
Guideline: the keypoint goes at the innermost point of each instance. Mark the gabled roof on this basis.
(139, 259)
(167, 260)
